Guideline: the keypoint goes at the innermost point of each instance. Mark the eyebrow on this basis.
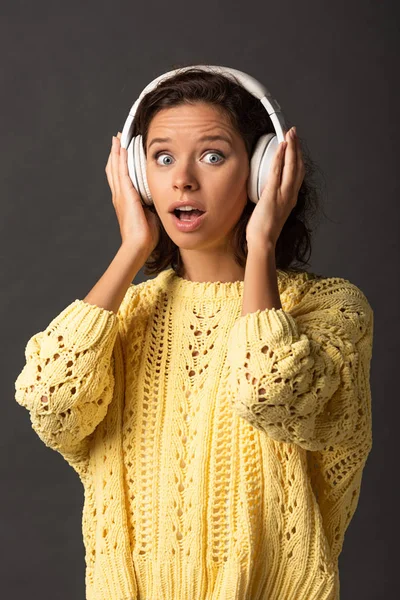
(208, 138)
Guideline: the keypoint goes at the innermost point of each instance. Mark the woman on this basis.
(219, 414)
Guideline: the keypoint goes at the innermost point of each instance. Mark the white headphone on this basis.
(264, 150)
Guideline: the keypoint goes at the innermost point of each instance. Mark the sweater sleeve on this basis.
(67, 381)
(302, 376)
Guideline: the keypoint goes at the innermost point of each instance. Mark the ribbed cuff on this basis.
(274, 327)
(82, 324)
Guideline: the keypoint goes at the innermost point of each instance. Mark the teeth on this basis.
(185, 208)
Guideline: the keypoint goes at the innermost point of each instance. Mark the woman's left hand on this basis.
(279, 195)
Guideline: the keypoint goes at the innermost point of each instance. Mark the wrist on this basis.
(133, 253)
(265, 248)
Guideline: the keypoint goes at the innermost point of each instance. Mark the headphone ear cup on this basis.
(260, 165)
(139, 162)
(131, 164)
(143, 166)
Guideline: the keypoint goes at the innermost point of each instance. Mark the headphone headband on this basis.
(247, 81)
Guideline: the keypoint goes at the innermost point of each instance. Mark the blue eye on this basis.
(215, 154)
(156, 156)
(162, 153)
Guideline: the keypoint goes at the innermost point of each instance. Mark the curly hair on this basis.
(249, 118)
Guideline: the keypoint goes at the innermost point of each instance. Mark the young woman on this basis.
(219, 414)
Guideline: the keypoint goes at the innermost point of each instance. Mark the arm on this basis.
(260, 290)
(111, 288)
(67, 382)
(301, 376)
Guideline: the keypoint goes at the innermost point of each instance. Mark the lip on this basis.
(183, 202)
(187, 226)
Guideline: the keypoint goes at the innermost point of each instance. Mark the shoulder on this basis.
(329, 298)
(141, 297)
(328, 290)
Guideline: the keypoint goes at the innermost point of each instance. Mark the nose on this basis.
(184, 178)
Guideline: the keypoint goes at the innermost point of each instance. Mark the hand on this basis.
(138, 225)
(279, 195)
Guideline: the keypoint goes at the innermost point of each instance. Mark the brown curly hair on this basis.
(251, 120)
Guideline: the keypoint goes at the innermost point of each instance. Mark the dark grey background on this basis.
(70, 73)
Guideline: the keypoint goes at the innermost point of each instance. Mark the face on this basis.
(213, 172)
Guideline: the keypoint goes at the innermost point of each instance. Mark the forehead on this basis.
(200, 117)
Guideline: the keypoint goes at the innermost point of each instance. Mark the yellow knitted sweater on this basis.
(221, 455)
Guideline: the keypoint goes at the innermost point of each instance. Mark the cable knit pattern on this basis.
(221, 455)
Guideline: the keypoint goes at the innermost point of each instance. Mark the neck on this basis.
(204, 267)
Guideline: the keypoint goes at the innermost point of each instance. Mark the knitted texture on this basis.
(221, 455)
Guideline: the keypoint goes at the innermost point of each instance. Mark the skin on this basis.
(280, 194)
(278, 198)
(186, 167)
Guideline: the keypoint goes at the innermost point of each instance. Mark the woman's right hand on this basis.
(138, 225)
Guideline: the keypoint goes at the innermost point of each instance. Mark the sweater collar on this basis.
(210, 290)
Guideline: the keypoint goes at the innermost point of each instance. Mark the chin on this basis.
(188, 242)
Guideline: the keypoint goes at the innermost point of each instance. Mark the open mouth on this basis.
(188, 215)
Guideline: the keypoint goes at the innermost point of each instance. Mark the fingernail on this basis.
(294, 132)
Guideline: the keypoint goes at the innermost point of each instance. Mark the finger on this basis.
(108, 171)
(123, 172)
(274, 176)
(126, 181)
(289, 173)
(115, 166)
